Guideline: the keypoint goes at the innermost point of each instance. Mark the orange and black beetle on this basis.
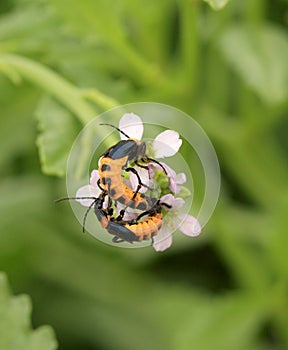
(131, 230)
(114, 161)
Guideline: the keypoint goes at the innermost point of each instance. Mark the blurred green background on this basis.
(62, 62)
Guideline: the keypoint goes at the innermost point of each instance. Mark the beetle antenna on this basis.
(68, 198)
(87, 211)
(155, 161)
(86, 214)
(115, 127)
(163, 204)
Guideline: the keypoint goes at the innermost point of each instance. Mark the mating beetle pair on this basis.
(132, 230)
(112, 163)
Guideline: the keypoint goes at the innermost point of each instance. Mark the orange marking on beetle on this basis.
(114, 186)
(104, 222)
(144, 229)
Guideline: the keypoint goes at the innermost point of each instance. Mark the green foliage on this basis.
(15, 323)
(217, 4)
(66, 61)
(254, 54)
(58, 129)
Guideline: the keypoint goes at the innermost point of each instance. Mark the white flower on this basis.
(132, 125)
(166, 144)
(174, 220)
(174, 179)
(91, 190)
(133, 180)
(130, 214)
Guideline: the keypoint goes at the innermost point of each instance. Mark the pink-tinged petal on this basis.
(170, 171)
(180, 178)
(163, 240)
(132, 125)
(130, 214)
(144, 176)
(105, 204)
(175, 203)
(94, 178)
(153, 168)
(133, 182)
(167, 199)
(190, 226)
(178, 203)
(174, 179)
(87, 191)
(172, 175)
(166, 144)
(173, 186)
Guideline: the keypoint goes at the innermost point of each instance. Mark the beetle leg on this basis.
(116, 239)
(121, 214)
(140, 183)
(147, 159)
(101, 188)
(141, 165)
(165, 205)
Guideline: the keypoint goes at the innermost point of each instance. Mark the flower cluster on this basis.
(166, 144)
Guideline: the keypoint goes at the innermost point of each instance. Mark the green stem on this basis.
(147, 73)
(189, 42)
(99, 98)
(279, 315)
(245, 266)
(252, 173)
(69, 95)
(254, 11)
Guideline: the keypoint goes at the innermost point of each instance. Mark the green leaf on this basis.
(106, 24)
(27, 29)
(10, 73)
(15, 325)
(52, 83)
(217, 4)
(149, 26)
(230, 322)
(259, 55)
(17, 122)
(94, 14)
(58, 130)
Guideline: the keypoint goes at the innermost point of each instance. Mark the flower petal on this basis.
(167, 199)
(180, 178)
(94, 178)
(87, 191)
(170, 172)
(190, 226)
(174, 179)
(132, 125)
(163, 240)
(130, 214)
(144, 176)
(172, 176)
(151, 170)
(178, 203)
(166, 144)
(175, 203)
(173, 186)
